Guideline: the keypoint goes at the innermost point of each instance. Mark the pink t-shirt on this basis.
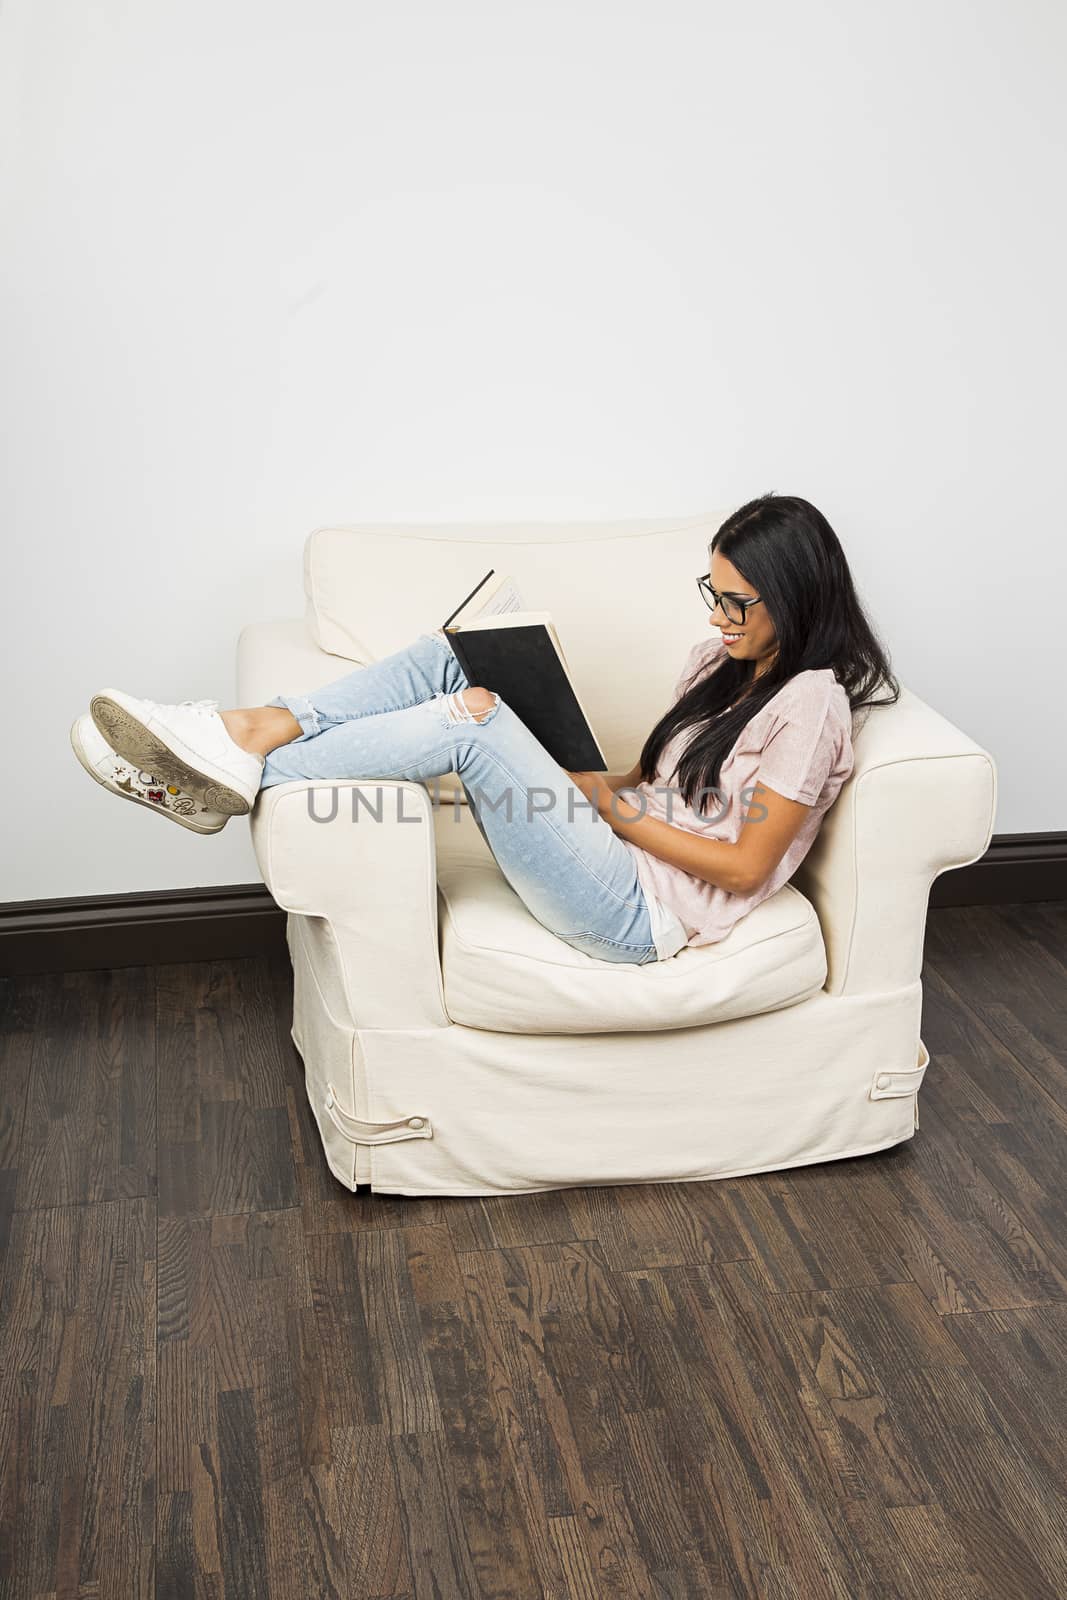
(799, 744)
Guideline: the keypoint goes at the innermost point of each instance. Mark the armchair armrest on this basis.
(281, 657)
(369, 868)
(362, 853)
(921, 799)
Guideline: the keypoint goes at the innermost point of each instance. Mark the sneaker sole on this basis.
(128, 737)
(150, 805)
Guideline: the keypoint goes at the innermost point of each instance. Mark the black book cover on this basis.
(521, 664)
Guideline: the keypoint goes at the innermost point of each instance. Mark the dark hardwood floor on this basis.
(223, 1375)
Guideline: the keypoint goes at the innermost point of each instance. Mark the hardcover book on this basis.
(502, 646)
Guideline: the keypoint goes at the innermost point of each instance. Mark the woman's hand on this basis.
(588, 783)
(578, 777)
(599, 789)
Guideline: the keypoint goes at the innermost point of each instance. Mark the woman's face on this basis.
(751, 640)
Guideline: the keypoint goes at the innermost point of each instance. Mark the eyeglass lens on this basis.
(730, 606)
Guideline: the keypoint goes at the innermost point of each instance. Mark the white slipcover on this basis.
(453, 1046)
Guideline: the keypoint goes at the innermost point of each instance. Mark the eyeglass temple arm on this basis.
(741, 600)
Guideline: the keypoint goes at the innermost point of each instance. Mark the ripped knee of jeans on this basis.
(458, 710)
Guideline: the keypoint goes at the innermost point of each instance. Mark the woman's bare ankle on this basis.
(261, 729)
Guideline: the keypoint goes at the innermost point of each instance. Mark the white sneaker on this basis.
(187, 744)
(123, 778)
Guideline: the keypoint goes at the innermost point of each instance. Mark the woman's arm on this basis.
(771, 824)
(619, 780)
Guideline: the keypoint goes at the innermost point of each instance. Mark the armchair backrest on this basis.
(921, 798)
(623, 596)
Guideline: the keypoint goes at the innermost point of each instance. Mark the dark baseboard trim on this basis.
(145, 929)
(1017, 867)
(231, 921)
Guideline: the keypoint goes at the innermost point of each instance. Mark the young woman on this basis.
(730, 787)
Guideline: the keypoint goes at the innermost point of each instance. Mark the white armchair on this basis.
(452, 1045)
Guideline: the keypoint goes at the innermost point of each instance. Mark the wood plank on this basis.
(76, 1381)
(221, 1373)
(89, 1130)
(224, 1138)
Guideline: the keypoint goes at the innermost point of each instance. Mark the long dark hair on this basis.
(791, 556)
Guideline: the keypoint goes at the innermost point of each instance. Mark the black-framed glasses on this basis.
(734, 606)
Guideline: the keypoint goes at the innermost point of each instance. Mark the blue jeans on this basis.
(401, 717)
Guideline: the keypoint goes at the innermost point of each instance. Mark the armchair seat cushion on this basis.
(503, 971)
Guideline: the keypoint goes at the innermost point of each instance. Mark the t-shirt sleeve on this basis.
(807, 747)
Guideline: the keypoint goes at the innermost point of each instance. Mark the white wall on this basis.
(267, 267)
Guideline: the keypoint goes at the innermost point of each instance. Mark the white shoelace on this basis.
(207, 708)
(204, 706)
